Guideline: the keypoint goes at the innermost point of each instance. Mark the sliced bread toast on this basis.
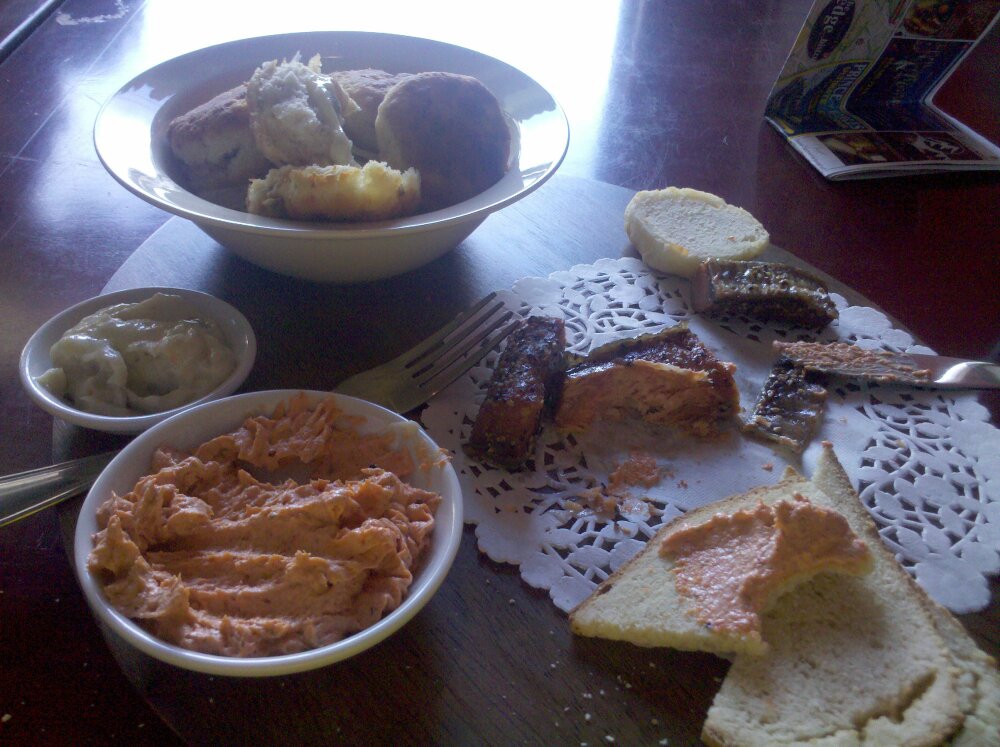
(858, 661)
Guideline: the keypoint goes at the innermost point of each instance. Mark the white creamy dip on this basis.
(145, 357)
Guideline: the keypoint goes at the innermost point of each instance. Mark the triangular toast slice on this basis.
(857, 661)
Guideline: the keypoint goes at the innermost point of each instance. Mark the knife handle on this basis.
(24, 493)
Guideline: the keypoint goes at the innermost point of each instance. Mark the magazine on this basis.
(855, 96)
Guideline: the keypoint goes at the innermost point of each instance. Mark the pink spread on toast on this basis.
(734, 565)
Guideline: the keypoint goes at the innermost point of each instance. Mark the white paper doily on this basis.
(925, 463)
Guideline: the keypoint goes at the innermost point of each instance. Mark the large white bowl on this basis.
(194, 426)
(130, 139)
(36, 359)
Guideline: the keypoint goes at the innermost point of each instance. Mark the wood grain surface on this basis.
(657, 94)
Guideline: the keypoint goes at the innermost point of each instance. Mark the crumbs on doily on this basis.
(638, 470)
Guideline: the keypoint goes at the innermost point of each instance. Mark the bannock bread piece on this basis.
(448, 127)
(214, 143)
(335, 193)
(296, 114)
(644, 601)
(858, 661)
(978, 683)
(676, 229)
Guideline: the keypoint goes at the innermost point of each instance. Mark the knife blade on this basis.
(885, 367)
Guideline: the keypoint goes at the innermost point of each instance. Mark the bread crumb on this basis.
(609, 739)
(682, 484)
(586, 717)
(5, 718)
(768, 467)
(510, 601)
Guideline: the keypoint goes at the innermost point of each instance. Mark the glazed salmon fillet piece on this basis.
(669, 378)
(520, 392)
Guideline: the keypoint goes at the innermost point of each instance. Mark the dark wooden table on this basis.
(657, 94)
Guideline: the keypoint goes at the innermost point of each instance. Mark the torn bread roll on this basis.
(335, 193)
(296, 114)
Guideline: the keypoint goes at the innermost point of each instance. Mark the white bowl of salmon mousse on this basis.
(268, 533)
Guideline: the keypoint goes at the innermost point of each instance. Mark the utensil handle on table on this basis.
(24, 493)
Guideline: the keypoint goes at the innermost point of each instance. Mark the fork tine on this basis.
(443, 376)
(413, 377)
(422, 348)
(449, 355)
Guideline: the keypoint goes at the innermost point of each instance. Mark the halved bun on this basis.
(676, 229)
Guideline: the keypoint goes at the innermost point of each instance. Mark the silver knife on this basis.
(883, 367)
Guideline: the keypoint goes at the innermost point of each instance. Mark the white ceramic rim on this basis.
(194, 426)
(132, 116)
(35, 356)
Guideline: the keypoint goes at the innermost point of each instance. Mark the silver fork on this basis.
(411, 379)
(402, 384)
